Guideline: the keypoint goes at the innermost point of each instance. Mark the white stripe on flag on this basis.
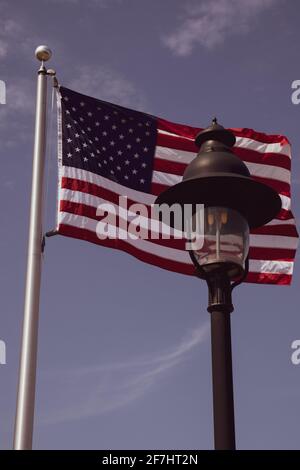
(181, 256)
(93, 178)
(250, 144)
(138, 196)
(256, 169)
(144, 245)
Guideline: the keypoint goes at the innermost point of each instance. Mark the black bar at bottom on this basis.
(135, 458)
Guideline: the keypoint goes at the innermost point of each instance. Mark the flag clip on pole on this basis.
(27, 374)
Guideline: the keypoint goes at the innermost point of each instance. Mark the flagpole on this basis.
(27, 372)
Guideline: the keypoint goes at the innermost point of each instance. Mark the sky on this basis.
(124, 347)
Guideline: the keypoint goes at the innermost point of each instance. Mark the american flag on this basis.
(106, 151)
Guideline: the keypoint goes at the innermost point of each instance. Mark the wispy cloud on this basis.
(86, 3)
(296, 180)
(102, 82)
(107, 84)
(21, 95)
(210, 23)
(17, 115)
(94, 390)
(20, 91)
(99, 2)
(9, 184)
(3, 48)
(9, 33)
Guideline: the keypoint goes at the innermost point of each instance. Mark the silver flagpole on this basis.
(27, 373)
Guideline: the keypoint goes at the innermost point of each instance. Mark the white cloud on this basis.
(94, 390)
(296, 180)
(3, 48)
(9, 184)
(106, 84)
(101, 3)
(21, 95)
(20, 100)
(210, 23)
(9, 34)
(17, 115)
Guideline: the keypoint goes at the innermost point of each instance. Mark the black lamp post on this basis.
(233, 203)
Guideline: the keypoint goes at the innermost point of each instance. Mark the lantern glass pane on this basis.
(226, 240)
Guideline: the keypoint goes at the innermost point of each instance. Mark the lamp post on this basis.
(233, 204)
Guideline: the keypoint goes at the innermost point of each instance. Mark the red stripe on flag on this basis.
(93, 189)
(182, 268)
(268, 278)
(261, 136)
(191, 132)
(286, 230)
(90, 212)
(156, 188)
(167, 166)
(179, 244)
(84, 234)
(247, 155)
(176, 168)
(266, 158)
(181, 129)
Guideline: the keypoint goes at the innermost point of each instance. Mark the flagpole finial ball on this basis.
(43, 53)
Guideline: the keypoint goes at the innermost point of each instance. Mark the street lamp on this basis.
(233, 204)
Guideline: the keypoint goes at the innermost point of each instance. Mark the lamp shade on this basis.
(219, 178)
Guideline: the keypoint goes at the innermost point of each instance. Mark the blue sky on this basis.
(124, 348)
